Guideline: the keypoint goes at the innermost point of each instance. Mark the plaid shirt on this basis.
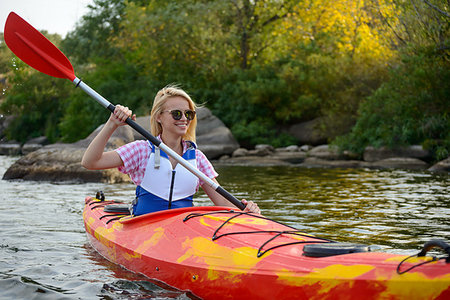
(135, 157)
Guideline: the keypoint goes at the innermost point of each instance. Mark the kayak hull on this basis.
(217, 253)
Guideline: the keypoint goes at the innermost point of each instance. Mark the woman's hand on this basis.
(120, 115)
(251, 207)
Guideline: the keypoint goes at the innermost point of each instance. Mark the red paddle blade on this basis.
(36, 50)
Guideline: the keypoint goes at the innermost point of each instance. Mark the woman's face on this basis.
(170, 126)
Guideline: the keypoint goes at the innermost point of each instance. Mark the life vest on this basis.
(164, 187)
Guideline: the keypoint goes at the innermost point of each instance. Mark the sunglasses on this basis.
(177, 114)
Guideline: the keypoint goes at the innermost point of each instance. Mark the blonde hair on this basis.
(158, 106)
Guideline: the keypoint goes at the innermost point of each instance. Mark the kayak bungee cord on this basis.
(433, 259)
(278, 233)
(428, 245)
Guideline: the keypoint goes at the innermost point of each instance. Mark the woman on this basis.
(161, 182)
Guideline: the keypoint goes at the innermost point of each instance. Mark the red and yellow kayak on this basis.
(217, 253)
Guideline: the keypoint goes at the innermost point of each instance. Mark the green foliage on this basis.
(36, 98)
(115, 81)
(412, 107)
(260, 132)
(90, 38)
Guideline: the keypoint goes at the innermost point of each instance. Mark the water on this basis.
(44, 253)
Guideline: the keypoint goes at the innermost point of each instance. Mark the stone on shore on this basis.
(214, 139)
(308, 132)
(400, 163)
(372, 154)
(442, 166)
(240, 152)
(323, 156)
(325, 152)
(62, 162)
(34, 144)
(315, 162)
(10, 148)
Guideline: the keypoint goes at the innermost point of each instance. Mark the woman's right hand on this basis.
(120, 115)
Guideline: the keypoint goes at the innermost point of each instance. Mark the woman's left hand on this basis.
(251, 207)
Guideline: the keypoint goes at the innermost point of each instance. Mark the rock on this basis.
(442, 166)
(326, 152)
(10, 148)
(291, 148)
(144, 122)
(400, 163)
(262, 150)
(264, 147)
(372, 154)
(350, 155)
(59, 162)
(308, 132)
(34, 144)
(314, 162)
(306, 148)
(62, 162)
(206, 121)
(122, 136)
(42, 140)
(5, 121)
(219, 141)
(28, 147)
(213, 137)
(240, 152)
(258, 161)
(290, 157)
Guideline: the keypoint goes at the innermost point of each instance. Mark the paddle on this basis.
(38, 52)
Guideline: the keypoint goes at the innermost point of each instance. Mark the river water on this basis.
(44, 252)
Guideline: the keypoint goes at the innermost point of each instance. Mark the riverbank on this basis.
(326, 156)
(61, 162)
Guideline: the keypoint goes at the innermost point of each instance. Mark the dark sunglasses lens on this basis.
(190, 114)
(176, 114)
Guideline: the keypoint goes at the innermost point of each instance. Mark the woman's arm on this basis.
(94, 157)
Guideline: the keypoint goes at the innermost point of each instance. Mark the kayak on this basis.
(218, 253)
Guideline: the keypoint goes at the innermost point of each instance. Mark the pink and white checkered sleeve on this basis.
(134, 156)
(204, 165)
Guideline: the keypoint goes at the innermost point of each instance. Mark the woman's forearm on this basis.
(94, 157)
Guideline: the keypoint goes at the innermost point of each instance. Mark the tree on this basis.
(5, 66)
(412, 105)
(422, 23)
(90, 37)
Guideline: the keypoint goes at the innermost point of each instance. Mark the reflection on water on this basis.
(44, 250)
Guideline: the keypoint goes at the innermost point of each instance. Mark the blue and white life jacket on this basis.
(164, 187)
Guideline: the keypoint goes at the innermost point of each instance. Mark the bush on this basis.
(412, 107)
